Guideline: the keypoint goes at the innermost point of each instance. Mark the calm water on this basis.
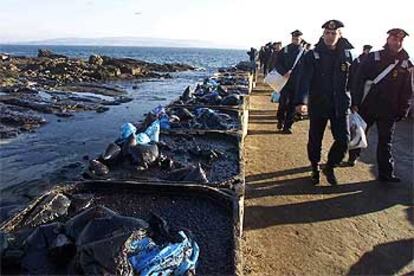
(204, 58)
(31, 163)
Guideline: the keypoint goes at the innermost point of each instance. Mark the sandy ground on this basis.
(293, 228)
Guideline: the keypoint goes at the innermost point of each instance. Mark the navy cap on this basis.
(367, 47)
(333, 25)
(296, 33)
(398, 32)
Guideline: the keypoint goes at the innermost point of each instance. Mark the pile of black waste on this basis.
(63, 234)
(200, 118)
(139, 148)
(210, 92)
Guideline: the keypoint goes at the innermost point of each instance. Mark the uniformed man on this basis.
(366, 49)
(266, 57)
(323, 86)
(253, 57)
(276, 47)
(387, 102)
(261, 57)
(285, 60)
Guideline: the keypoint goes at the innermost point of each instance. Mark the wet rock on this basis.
(96, 60)
(112, 153)
(97, 168)
(102, 109)
(144, 155)
(8, 132)
(48, 54)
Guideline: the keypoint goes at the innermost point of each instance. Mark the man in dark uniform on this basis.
(387, 102)
(276, 47)
(253, 58)
(366, 49)
(266, 57)
(285, 60)
(365, 52)
(261, 57)
(323, 86)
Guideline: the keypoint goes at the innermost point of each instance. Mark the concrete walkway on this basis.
(293, 228)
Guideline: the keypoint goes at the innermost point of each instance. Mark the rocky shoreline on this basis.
(55, 84)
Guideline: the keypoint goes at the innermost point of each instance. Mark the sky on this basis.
(227, 23)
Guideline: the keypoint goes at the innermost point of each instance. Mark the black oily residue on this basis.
(224, 168)
(210, 224)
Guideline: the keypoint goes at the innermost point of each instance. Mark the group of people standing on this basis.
(328, 84)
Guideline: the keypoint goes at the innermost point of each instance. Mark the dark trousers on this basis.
(286, 109)
(265, 69)
(385, 129)
(340, 132)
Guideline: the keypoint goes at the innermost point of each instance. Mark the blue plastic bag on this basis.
(127, 129)
(274, 98)
(153, 131)
(165, 122)
(142, 139)
(173, 259)
(158, 111)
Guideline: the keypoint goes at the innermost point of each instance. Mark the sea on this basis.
(57, 152)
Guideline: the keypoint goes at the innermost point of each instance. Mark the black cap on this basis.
(333, 25)
(277, 43)
(398, 32)
(367, 47)
(296, 33)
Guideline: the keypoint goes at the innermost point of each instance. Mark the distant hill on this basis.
(127, 41)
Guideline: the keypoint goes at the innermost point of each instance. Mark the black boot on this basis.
(315, 175)
(390, 179)
(328, 171)
(279, 125)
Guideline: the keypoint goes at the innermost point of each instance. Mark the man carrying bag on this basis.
(283, 80)
(381, 94)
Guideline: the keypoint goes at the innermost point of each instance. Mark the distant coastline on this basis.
(125, 42)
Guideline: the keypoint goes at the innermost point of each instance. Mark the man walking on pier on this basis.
(323, 85)
(387, 101)
(285, 60)
(276, 47)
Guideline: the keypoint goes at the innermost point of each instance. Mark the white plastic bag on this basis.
(276, 80)
(357, 128)
(274, 98)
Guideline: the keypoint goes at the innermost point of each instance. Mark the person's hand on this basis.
(400, 116)
(287, 75)
(354, 108)
(302, 109)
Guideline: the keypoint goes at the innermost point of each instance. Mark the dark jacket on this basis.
(285, 59)
(323, 83)
(354, 67)
(252, 54)
(273, 60)
(391, 96)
